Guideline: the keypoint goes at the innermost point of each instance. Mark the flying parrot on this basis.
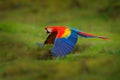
(64, 39)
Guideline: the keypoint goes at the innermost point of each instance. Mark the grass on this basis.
(92, 59)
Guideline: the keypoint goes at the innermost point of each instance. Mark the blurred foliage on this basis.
(22, 25)
(111, 10)
(111, 7)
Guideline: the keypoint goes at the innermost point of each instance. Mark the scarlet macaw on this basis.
(65, 38)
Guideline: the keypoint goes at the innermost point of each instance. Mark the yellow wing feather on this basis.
(66, 33)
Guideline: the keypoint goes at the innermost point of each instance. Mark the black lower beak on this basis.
(47, 32)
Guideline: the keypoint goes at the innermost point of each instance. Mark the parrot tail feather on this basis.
(102, 37)
(87, 35)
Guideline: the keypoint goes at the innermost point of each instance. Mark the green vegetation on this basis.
(22, 24)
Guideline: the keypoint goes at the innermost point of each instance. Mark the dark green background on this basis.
(22, 24)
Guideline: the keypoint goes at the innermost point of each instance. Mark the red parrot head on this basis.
(50, 29)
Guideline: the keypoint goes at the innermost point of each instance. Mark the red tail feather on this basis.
(102, 37)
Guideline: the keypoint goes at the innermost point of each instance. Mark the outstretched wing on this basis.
(65, 44)
(50, 39)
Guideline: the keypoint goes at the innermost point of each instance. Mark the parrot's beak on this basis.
(47, 32)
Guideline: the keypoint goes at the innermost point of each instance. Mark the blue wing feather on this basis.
(63, 46)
